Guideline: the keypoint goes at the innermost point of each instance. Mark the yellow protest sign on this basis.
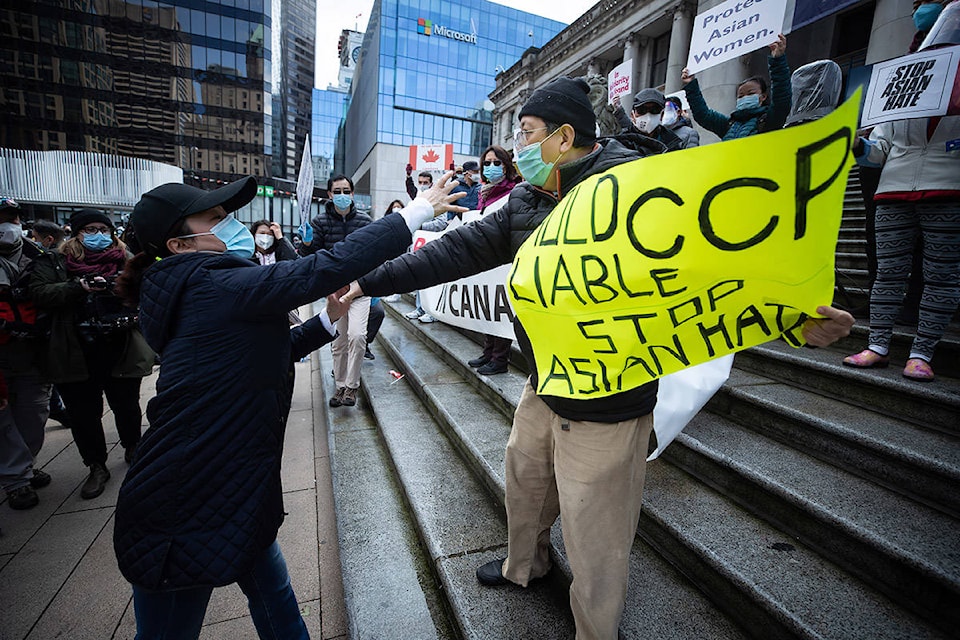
(673, 260)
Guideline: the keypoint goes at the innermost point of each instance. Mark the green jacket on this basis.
(60, 296)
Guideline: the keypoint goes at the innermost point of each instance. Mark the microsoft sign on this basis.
(427, 27)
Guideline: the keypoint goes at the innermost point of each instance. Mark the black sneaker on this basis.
(94, 484)
(40, 479)
(492, 368)
(23, 498)
(491, 574)
(368, 355)
(129, 453)
(478, 362)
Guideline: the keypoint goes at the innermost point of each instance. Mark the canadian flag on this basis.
(431, 157)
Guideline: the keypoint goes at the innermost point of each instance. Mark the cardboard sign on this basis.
(650, 268)
(732, 29)
(431, 157)
(915, 86)
(619, 81)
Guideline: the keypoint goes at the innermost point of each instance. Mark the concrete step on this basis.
(740, 590)
(479, 431)
(852, 246)
(852, 234)
(387, 580)
(902, 548)
(851, 261)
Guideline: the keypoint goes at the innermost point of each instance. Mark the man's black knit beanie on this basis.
(564, 101)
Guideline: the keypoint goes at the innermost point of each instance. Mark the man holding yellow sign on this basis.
(608, 286)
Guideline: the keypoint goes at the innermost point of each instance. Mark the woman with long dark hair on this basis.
(95, 346)
(201, 504)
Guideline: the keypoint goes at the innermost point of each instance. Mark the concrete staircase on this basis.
(807, 501)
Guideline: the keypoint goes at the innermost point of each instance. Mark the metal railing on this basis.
(80, 177)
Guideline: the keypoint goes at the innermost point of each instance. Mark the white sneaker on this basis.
(427, 318)
(413, 315)
(394, 298)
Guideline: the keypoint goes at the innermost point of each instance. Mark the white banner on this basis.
(619, 81)
(915, 86)
(732, 29)
(305, 182)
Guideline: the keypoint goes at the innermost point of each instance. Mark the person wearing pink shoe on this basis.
(919, 193)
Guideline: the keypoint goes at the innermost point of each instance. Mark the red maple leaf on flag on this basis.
(430, 156)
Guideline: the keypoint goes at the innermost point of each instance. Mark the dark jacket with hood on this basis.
(747, 122)
(203, 496)
(493, 241)
(661, 134)
(329, 227)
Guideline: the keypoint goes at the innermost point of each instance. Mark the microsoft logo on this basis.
(426, 27)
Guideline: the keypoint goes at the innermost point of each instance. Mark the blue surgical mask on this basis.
(232, 233)
(531, 165)
(97, 241)
(493, 173)
(926, 15)
(342, 201)
(748, 102)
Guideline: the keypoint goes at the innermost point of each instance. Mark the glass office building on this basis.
(295, 30)
(425, 70)
(327, 141)
(183, 82)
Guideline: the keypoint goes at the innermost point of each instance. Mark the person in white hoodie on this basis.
(919, 192)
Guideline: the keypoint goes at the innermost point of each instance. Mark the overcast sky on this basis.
(333, 17)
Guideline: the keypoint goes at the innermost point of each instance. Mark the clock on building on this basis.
(355, 54)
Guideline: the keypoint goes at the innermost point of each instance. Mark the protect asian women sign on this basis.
(650, 268)
(920, 85)
(732, 29)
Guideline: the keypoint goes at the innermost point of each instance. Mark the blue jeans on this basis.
(178, 615)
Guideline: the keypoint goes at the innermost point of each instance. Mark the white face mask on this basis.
(647, 122)
(264, 240)
(423, 187)
(397, 209)
(670, 115)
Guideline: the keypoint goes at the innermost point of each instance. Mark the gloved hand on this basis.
(409, 169)
(306, 232)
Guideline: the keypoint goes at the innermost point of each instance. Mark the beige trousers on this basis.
(591, 474)
(350, 343)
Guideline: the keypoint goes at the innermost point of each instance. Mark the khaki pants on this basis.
(350, 343)
(591, 474)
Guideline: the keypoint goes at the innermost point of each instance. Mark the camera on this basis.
(100, 283)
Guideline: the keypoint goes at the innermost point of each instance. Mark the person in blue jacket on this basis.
(758, 110)
(202, 501)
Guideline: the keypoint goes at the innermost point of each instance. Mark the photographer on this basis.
(95, 347)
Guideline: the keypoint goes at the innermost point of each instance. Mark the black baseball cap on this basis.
(160, 209)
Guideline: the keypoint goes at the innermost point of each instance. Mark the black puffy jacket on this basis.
(329, 227)
(203, 496)
(493, 241)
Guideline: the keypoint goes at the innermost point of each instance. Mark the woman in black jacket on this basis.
(95, 348)
(201, 504)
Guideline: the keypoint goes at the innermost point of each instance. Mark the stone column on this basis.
(679, 45)
(892, 30)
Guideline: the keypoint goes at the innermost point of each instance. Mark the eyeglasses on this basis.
(521, 137)
(95, 230)
(341, 192)
(644, 109)
(495, 163)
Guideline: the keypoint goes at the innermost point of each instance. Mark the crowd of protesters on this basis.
(86, 312)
